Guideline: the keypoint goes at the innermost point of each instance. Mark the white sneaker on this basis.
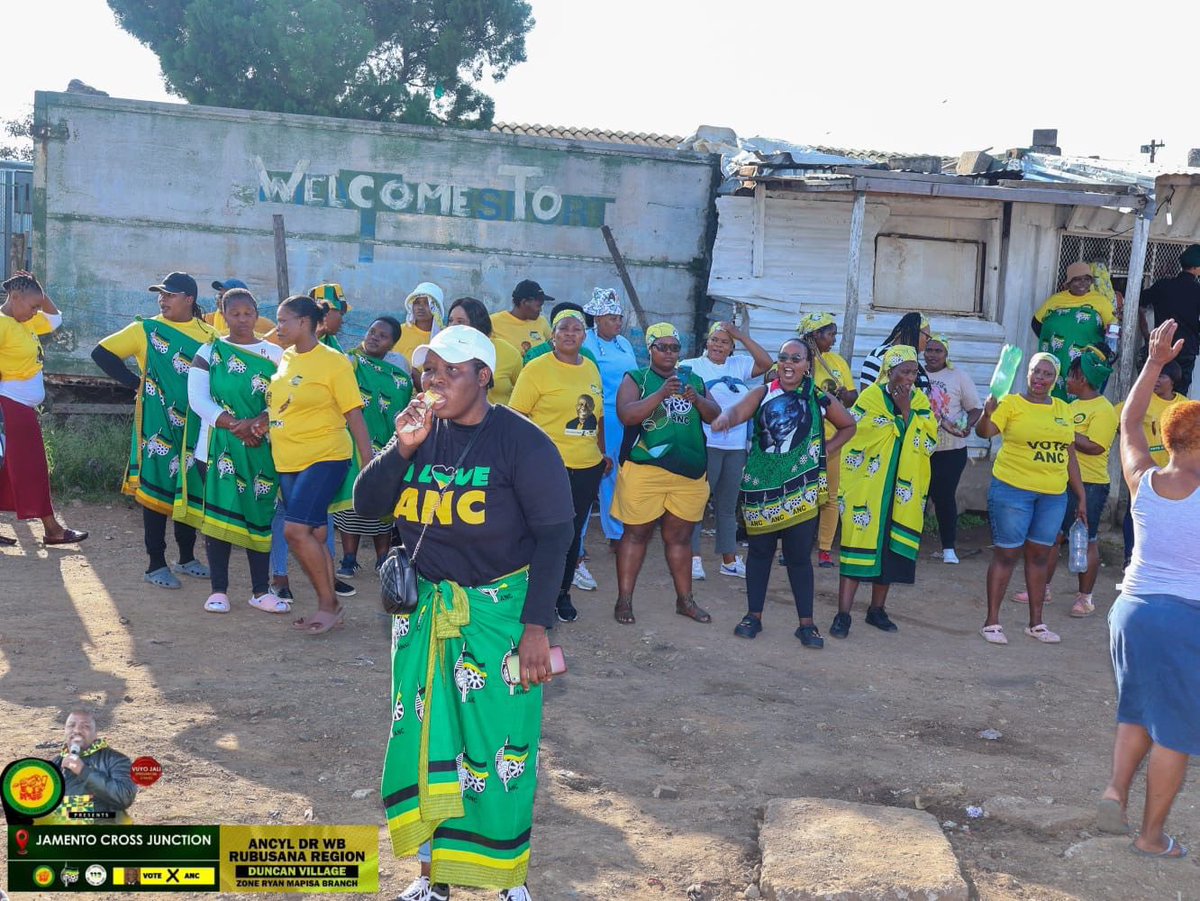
(520, 893)
(698, 570)
(736, 568)
(948, 556)
(418, 890)
(583, 579)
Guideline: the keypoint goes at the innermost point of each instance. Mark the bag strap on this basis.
(453, 472)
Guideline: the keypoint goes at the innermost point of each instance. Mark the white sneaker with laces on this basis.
(948, 556)
(698, 570)
(583, 580)
(736, 568)
(520, 893)
(418, 890)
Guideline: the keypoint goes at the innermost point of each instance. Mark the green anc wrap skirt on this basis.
(461, 765)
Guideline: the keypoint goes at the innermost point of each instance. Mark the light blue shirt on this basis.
(613, 359)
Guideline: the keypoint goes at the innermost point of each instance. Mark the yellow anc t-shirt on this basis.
(508, 367)
(1097, 421)
(20, 350)
(830, 371)
(522, 334)
(131, 340)
(1033, 453)
(566, 402)
(309, 397)
(411, 338)
(1152, 425)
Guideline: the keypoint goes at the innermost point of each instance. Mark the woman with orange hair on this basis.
(1155, 623)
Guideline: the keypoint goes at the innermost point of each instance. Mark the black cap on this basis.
(229, 284)
(529, 289)
(177, 283)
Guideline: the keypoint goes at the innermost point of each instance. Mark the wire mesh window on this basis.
(1162, 257)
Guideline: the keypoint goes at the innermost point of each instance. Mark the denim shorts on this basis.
(1096, 496)
(1018, 515)
(308, 493)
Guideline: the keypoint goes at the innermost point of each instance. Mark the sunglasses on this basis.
(792, 358)
(667, 348)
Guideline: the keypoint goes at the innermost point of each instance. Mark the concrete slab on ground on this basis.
(817, 848)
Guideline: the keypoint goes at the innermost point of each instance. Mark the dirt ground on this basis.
(254, 723)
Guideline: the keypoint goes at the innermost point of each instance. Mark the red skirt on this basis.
(24, 477)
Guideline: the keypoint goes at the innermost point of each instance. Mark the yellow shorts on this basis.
(644, 493)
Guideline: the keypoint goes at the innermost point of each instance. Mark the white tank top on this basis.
(1161, 564)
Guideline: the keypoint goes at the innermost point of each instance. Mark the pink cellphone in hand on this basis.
(558, 665)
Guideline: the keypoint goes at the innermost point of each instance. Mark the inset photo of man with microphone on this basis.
(98, 787)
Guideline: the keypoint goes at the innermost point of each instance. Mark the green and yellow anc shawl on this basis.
(884, 481)
(385, 390)
(235, 501)
(158, 448)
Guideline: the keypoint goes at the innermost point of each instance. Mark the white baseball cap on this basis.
(457, 344)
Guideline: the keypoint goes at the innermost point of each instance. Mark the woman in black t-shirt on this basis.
(482, 501)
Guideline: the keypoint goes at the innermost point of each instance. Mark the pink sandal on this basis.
(320, 622)
(1022, 597)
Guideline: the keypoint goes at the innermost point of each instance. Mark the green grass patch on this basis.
(87, 455)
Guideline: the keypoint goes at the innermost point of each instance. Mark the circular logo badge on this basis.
(31, 787)
(95, 874)
(146, 771)
(43, 877)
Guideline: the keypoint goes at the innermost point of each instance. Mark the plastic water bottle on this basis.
(1113, 337)
(1077, 552)
(1006, 371)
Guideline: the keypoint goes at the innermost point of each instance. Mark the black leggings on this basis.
(584, 485)
(218, 566)
(154, 525)
(945, 469)
(797, 553)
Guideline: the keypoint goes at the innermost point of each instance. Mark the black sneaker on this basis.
(284, 594)
(749, 627)
(439, 891)
(566, 610)
(841, 626)
(877, 617)
(344, 589)
(810, 637)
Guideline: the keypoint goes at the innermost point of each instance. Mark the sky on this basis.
(937, 79)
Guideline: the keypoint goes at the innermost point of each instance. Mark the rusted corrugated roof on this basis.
(598, 135)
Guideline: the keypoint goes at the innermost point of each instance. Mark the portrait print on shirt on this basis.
(585, 422)
(783, 418)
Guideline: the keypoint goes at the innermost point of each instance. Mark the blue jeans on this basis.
(1018, 515)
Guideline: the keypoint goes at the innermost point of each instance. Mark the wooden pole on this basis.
(1130, 333)
(281, 267)
(619, 261)
(1130, 337)
(858, 215)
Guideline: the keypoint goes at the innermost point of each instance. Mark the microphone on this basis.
(74, 748)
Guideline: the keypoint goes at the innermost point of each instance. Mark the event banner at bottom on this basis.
(310, 859)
